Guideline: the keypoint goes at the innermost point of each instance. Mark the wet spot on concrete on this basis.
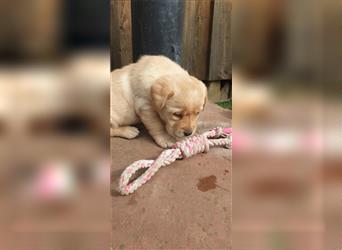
(172, 191)
(122, 246)
(207, 183)
(225, 209)
(143, 210)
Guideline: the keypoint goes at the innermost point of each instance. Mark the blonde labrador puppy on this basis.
(159, 93)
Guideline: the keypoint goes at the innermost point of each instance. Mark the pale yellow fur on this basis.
(150, 91)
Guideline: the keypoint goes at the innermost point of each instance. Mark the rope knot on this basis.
(193, 145)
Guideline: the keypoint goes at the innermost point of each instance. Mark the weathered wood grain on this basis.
(121, 33)
(196, 37)
(214, 91)
(206, 43)
(220, 66)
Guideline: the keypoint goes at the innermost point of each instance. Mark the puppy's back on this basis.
(149, 68)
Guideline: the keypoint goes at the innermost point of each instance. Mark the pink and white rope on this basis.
(184, 149)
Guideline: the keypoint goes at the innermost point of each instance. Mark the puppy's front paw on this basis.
(131, 132)
(125, 132)
(164, 141)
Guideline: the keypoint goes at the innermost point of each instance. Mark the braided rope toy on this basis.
(184, 149)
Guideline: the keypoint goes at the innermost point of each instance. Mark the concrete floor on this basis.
(185, 205)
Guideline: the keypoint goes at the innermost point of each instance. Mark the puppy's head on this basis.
(179, 100)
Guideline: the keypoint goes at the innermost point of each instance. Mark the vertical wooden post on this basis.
(121, 33)
(196, 37)
(220, 53)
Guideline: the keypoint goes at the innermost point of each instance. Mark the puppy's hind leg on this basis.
(127, 132)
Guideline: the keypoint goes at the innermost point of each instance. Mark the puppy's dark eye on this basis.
(178, 115)
(197, 113)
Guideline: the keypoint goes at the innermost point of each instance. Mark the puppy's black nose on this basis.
(187, 133)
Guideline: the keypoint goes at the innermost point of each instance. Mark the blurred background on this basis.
(287, 121)
(54, 113)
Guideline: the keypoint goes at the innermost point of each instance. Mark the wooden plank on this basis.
(214, 91)
(220, 53)
(121, 33)
(196, 37)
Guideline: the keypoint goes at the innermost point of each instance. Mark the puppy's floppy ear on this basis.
(205, 101)
(205, 95)
(204, 89)
(161, 92)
